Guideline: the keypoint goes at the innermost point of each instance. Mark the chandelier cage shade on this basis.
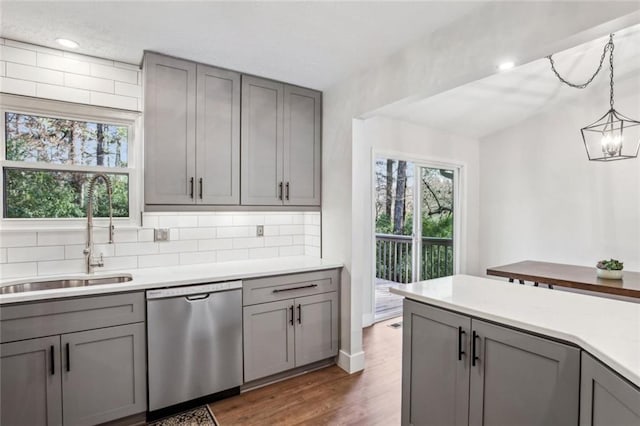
(612, 137)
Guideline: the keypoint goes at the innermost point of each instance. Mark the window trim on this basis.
(81, 112)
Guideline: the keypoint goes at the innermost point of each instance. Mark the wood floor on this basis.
(329, 396)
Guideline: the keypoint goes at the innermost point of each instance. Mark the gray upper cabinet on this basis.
(302, 150)
(218, 136)
(606, 399)
(262, 141)
(281, 143)
(192, 133)
(169, 130)
(30, 392)
(520, 379)
(104, 374)
(435, 381)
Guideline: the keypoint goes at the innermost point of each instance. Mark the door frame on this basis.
(459, 211)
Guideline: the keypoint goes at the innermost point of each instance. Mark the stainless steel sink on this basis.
(62, 283)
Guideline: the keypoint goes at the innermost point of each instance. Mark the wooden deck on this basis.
(387, 305)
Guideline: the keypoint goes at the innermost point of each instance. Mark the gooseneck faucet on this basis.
(91, 259)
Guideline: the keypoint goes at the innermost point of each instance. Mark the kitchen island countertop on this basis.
(607, 329)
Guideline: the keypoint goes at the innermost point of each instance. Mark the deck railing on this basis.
(394, 258)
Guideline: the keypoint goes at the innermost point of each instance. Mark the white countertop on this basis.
(608, 329)
(175, 276)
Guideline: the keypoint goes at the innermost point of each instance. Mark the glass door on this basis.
(409, 250)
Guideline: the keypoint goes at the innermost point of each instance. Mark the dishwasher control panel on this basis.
(194, 289)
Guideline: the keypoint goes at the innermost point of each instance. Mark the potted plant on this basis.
(610, 269)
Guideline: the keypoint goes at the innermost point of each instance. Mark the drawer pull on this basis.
(277, 290)
(52, 361)
(68, 358)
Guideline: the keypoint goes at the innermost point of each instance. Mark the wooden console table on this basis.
(580, 277)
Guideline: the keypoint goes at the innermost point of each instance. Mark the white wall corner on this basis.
(367, 319)
(351, 363)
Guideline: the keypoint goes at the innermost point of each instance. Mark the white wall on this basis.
(418, 143)
(461, 52)
(541, 199)
(30, 70)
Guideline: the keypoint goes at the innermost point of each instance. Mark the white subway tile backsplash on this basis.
(132, 249)
(3, 68)
(197, 233)
(292, 251)
(178, 246)
(18, 270)
(215, 244)
(263, 253)
(240, 243)
(17, 87)
(73, 266)
(86, 58)
(61, 93)
(195, 238)
(113, 101)
(18, 239)
(126, 89)
(119, 263)
(115, 73)
(89, 83)
(37, 74)
(197, 257)
(156, 260)
(35, 254)
(231, 255)
(62, 63)
(21, 56)
(236, 231)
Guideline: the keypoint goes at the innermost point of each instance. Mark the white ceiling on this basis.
(504, 99)
(313, 44)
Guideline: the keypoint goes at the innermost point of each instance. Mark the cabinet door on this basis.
(302, 150)
(218, 136)
(30, 391)
(521, 379)
(262, 141)
(435, 366)
(104, 375)
(169, 130)
(268, 339)
(316, 327)
(605, 398)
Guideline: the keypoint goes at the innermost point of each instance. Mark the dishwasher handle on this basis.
(197, 297)
(193, 292)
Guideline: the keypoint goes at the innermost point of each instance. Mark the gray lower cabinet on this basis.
(521, 379)
(30, 392)
(104, 374)
(606, 399)
(435, 381)
(458, 371)
(281, 143)
(289, 321)
(78, 361)
(192, 133)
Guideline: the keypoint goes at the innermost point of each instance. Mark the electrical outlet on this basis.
(260, 231)
(161, 234)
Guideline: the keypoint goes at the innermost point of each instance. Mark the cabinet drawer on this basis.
(26, 321)
(271, 289)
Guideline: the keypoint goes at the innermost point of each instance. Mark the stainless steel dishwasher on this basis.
(194, 342)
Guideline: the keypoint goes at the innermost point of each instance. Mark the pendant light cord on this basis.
(607, 48)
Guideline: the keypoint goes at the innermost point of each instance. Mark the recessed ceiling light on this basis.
(67, 43)
(506, 65)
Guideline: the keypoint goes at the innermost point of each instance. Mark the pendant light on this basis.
(613, 136)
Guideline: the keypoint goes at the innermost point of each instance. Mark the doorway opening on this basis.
(409, 249)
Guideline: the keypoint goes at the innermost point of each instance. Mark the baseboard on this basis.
(351, 363)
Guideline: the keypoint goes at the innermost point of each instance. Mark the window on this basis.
(52, 149)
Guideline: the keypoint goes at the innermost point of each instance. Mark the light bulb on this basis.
(611, 144)
(67, 43)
